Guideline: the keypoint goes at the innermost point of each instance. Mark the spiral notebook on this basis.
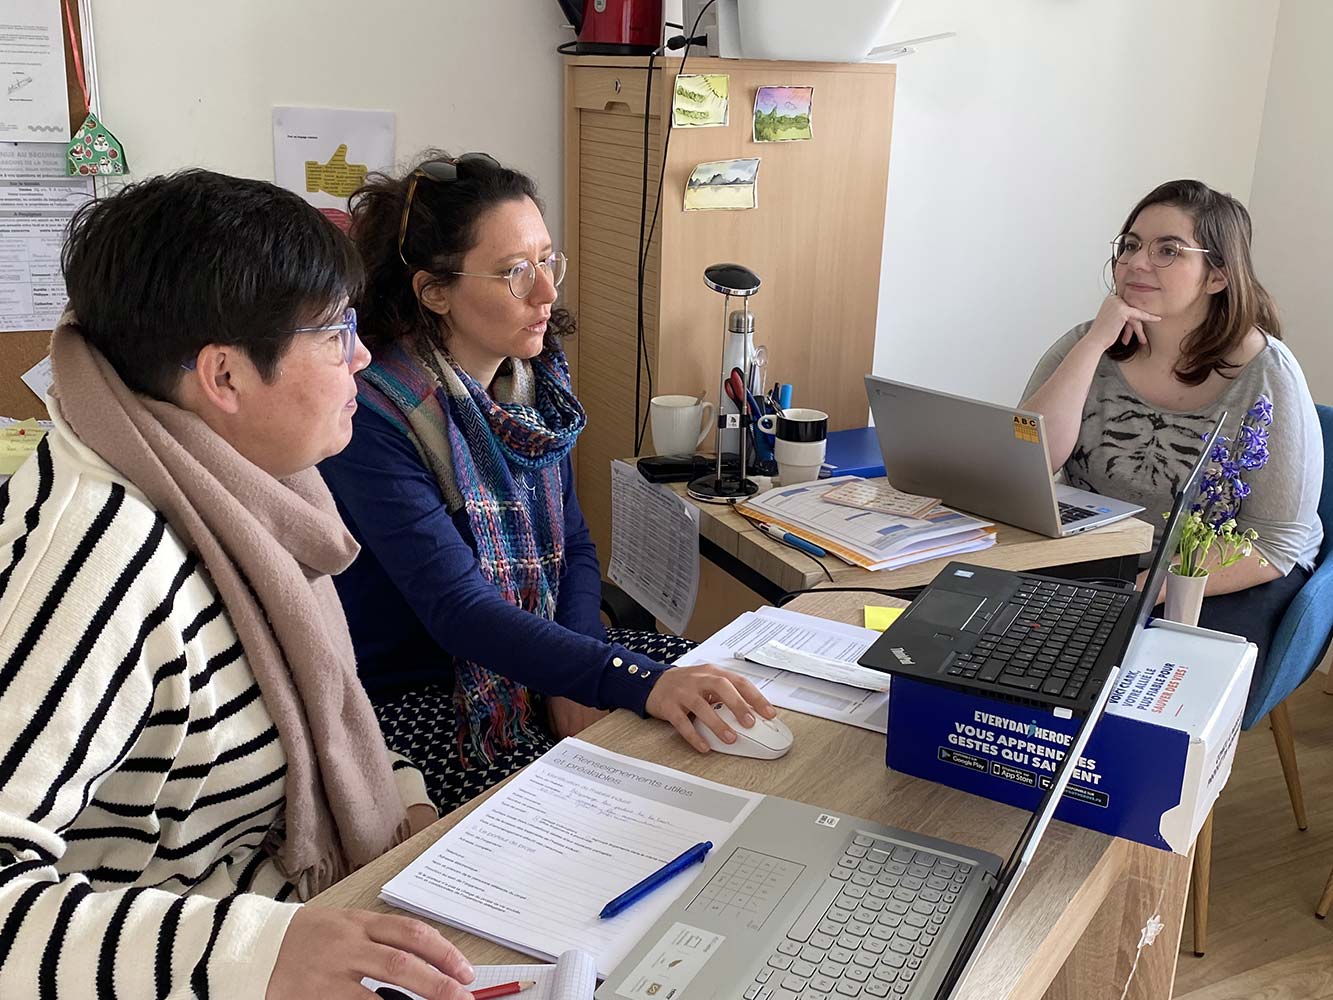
(573, 977)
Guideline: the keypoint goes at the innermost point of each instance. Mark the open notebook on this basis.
(573, 977)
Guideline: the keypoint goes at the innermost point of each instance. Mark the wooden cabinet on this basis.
(815, 240)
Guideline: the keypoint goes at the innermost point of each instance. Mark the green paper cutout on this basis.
(94, 150)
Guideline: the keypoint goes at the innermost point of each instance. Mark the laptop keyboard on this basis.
(867, 930)
(1069, 513)
(1052, 643)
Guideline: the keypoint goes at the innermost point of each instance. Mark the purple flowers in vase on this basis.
(1213, 517)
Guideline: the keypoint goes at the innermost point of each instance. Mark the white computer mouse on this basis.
(765, 740)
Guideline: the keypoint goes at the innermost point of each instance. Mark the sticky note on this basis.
(881, 618)
(17, 442)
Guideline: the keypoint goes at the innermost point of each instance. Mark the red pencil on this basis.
(503, 990)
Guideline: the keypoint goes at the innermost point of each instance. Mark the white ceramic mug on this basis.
(799, 461)
(801, 442)
(676, 420)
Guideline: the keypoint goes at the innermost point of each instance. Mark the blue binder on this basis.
(853, 452)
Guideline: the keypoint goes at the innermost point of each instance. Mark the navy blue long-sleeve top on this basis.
(415, 598)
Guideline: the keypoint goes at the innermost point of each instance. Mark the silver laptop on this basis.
(805, 902)
(987, 459)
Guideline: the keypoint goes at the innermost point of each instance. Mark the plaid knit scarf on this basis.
(497, 456)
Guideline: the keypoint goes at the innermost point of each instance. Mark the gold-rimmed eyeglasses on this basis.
(442, 172)
(1162, 252)
(522, 277)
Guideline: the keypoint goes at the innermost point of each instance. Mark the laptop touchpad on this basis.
(946, 608)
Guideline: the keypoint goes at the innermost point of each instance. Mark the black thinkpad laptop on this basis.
(1018, 635)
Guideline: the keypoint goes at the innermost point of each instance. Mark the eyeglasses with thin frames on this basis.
(346, 331)
(442, 172)
(522, 277)
(1162, 252)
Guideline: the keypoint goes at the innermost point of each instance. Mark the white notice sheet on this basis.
(808, 695)
(32, 287)
(654, 546)
(34, 105)
(534, 864)
(36, 202)
(323, 154)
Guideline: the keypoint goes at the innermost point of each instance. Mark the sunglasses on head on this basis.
(442, 172)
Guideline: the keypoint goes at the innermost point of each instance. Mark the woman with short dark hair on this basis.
(1187, 333)
(185, 749)
(475, 604)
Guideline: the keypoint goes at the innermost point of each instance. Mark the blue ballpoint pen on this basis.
(772, 531)
(672, 868)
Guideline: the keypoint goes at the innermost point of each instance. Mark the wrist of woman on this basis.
(627, 680)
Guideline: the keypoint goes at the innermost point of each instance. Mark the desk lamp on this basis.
(716, 487)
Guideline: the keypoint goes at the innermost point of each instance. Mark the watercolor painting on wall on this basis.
(700, 100)
(783, 114)
(724, 184)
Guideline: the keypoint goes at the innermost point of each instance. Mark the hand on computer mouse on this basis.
(684, 691)
(767, 739)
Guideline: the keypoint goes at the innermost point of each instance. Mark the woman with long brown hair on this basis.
(1187, 333)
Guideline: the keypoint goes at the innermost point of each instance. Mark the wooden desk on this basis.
(743, 568)
(1072, 930)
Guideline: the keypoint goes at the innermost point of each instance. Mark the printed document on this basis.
(36, 202)
(534, 864)
(654, 547)
(819, 637)
(323, 154)
(34, 106)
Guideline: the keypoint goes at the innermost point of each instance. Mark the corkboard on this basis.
(20, 351)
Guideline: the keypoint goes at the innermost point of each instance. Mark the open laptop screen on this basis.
(998, 897)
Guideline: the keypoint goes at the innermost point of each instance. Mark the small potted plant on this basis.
(1210, 538)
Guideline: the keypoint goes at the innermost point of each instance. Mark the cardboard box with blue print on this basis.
(1153, 767)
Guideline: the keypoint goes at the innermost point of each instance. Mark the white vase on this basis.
(1184, 597)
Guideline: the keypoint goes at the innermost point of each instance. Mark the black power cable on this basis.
(643, 367)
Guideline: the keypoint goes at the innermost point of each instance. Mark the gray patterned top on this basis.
(1136, 452)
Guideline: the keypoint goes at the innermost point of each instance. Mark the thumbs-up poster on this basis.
(323, 154)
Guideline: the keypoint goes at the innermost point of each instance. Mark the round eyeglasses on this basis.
(346, 331)
(522, 277)
(1162, 252)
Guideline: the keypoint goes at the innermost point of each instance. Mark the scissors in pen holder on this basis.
(746, 403)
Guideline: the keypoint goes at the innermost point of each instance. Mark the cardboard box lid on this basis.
(1180, 676)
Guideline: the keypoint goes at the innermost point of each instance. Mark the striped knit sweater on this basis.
(139, 768)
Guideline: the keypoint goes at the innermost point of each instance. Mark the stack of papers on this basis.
(865, 538)
(533, 865)
(803, 683)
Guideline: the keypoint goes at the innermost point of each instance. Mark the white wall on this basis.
(186, 83)
(1019, 147)
(1292, 203)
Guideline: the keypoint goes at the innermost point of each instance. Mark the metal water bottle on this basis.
(738, 353)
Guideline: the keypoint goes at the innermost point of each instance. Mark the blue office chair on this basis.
(1302, 638)
(1301, 641)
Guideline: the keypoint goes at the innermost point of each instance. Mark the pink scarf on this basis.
(270, 547)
